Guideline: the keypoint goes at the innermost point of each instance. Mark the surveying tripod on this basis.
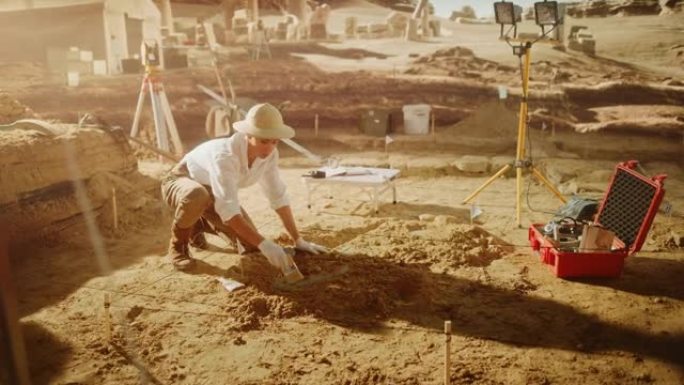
(164, 124)
(260, 43)
(521, 162)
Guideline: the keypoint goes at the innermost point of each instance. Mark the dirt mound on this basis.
(11, 110)
(667, 237)
(615, 7)
(414, 242)
(677, 53)
(377, 274)
(668, 7)
(458, 62)
(492, 120)
(18, 75)
(588, 70)
(53, 174)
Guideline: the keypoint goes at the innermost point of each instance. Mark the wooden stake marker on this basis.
(316, 125)
(447, 353)
(115, 210)
(108, 319)
(432, 125)
(217, 72)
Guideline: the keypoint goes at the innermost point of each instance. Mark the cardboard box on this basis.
(596, 238)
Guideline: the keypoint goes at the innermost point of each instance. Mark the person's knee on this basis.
(192, 203)
(197, 198)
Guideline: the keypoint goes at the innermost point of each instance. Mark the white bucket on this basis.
(72, 79)
(99, 67)
(416, 119)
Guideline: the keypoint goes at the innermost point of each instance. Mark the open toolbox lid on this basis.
(630, 204)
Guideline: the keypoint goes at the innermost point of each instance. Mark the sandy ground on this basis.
(372, 310)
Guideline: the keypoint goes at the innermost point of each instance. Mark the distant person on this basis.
(203, 189)
(201, 39)
(317, 22)
(260, 35)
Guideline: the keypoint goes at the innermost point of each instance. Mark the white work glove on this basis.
(301, 244)
(274, 253)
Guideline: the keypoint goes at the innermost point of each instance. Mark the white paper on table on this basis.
(358, 171)
(345, 171)
(333, 171)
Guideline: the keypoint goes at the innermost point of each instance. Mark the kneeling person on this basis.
(203, 189)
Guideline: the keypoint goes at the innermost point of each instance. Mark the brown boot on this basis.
(179, 253)
(197, 238)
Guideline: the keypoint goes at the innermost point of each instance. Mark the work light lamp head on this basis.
(504, 13)
(546, 13)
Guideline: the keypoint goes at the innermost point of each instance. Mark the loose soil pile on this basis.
(11, 110)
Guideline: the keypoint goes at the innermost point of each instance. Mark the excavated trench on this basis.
(464, 119)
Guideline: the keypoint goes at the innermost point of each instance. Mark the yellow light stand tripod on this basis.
(521, 161)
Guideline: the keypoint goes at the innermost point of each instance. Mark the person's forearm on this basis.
(245, 230)
(285, 214)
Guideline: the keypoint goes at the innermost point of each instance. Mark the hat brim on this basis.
(281, 132)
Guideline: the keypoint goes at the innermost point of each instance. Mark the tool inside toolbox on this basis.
(564, 234)
(565, 228)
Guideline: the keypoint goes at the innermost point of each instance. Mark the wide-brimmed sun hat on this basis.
(264, 121)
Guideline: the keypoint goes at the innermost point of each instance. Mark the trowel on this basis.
(290, 271)
(294, 280)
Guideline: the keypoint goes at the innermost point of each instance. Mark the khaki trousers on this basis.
(193, 202)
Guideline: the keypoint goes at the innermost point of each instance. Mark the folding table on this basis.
(371, 180)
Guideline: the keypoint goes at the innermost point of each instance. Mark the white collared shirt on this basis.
(222, 164)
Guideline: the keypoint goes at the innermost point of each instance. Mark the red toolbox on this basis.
(627, 209)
